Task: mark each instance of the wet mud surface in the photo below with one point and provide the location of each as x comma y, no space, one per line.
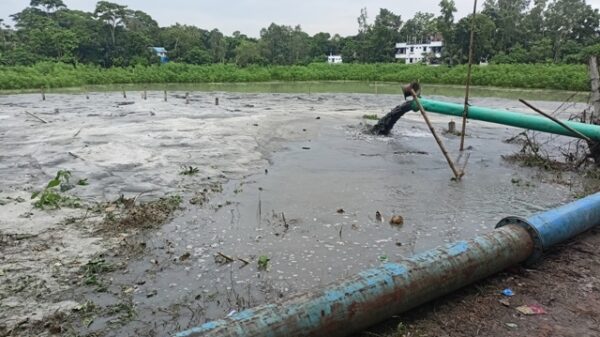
288,178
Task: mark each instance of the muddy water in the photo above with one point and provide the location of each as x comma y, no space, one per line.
289,165
307,87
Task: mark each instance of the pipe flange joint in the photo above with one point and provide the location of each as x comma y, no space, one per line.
538,246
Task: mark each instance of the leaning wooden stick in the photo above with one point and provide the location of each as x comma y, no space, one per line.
457,174
575,132
228,258
36,117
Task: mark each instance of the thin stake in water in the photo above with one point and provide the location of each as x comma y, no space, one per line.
466,110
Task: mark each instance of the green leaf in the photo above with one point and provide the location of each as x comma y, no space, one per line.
35,194
53,183
263,262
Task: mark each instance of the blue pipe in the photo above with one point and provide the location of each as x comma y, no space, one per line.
559,224
353,304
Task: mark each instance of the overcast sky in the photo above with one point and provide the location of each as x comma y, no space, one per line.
249,16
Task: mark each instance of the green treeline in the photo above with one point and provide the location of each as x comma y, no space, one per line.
55,75
507,31
54,46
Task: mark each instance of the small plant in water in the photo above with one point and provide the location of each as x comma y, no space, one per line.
402,329
371,117
189,171
49,197
83,182
93,269
263,262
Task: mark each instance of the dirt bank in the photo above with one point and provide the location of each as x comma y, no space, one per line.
566,284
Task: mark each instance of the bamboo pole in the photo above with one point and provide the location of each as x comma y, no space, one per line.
36,117
575,132
468,86
457,174
595,84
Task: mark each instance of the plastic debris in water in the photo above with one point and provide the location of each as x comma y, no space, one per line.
508,292
531,309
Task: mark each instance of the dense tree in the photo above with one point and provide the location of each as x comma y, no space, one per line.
483,47
180,39
217,46
248,52
197,55
48,5
445,27
507,31
112,15
508,18
379,41
571,23
420,29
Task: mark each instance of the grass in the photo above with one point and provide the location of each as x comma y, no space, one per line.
189,171
92,272
124,213
371,117
58,75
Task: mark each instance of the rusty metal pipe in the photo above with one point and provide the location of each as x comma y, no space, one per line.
374,295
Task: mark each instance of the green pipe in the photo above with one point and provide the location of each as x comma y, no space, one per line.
517,119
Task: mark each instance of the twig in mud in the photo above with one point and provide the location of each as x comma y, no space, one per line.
570,129
36,117
77,133
228,258
341,228
259,210
19,237
285,224
565,102
464,166
244,261
136,197
75,156
512,139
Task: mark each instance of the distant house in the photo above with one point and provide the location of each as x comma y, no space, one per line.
162,53
334,59
422,52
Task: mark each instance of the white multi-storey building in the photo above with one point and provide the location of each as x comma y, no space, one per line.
415,53
334,58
